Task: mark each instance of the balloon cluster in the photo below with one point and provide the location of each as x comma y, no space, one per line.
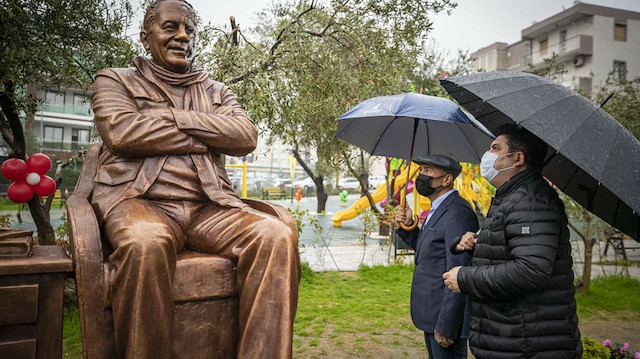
28,177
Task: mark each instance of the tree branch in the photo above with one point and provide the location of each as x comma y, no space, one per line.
84,69
306,168
363,185
582,235
272,57
5,130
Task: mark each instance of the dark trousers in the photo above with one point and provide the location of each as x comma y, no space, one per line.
457,350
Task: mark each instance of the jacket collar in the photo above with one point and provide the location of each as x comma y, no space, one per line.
517,180
442,208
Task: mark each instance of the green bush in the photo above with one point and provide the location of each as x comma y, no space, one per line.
592,349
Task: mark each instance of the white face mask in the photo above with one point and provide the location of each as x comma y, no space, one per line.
487,169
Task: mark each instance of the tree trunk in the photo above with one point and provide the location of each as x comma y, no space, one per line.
586,269
588,252
383,230
41,219
321,195
588,257
29,122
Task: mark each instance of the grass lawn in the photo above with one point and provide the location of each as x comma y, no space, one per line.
365,314
7,205
611,297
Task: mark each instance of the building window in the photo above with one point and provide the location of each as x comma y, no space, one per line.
81,101
53,137
54,98
620,70
620,31
80,135
544,44
563,41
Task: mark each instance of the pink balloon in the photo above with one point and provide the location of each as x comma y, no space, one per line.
20,192
45,187
39,163
14,169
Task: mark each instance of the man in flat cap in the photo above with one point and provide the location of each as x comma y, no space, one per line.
442,314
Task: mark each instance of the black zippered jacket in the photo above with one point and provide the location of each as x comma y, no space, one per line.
520,279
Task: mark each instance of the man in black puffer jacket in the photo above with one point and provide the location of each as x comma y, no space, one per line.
520,279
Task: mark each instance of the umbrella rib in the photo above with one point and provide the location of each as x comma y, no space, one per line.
373,150
427,137
468,142
594,112
566,185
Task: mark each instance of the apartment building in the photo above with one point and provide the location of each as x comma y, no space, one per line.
590,40
64,122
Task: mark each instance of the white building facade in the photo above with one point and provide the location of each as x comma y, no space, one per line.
591,41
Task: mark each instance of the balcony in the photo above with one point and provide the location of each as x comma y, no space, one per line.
566,50
52,145
70,110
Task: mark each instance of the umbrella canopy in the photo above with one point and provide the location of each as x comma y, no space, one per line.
385,126
591,157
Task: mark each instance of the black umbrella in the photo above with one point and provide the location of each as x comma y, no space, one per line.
591,157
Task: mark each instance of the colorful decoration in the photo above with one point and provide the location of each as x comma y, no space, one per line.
28,177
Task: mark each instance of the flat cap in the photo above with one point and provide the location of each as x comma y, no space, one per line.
443,162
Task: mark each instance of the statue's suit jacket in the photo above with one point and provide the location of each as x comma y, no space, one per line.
141,126
434,306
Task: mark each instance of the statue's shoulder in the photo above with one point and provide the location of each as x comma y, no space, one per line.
216,86
119,73
129,78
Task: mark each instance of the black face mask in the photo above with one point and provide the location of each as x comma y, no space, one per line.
423,184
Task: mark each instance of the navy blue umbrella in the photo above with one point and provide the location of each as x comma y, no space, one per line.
388,126
411,124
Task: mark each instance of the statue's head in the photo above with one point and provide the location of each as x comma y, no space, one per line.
170,32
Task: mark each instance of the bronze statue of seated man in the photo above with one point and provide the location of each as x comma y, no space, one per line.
161,186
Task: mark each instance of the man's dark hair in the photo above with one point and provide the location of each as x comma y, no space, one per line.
150,15
521,140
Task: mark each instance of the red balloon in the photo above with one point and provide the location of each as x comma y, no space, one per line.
39,163
45,187
14,169
20,192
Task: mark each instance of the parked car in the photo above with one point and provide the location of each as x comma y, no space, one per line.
305,184
282,182
349,183
376,181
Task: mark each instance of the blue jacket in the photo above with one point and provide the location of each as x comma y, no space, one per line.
434,306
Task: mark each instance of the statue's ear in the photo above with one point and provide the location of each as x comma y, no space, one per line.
144,39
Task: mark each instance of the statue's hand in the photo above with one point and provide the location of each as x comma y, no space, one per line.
224,110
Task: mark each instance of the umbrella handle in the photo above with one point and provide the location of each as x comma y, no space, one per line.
410,228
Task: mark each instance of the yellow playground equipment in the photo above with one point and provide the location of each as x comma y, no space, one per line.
471,186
